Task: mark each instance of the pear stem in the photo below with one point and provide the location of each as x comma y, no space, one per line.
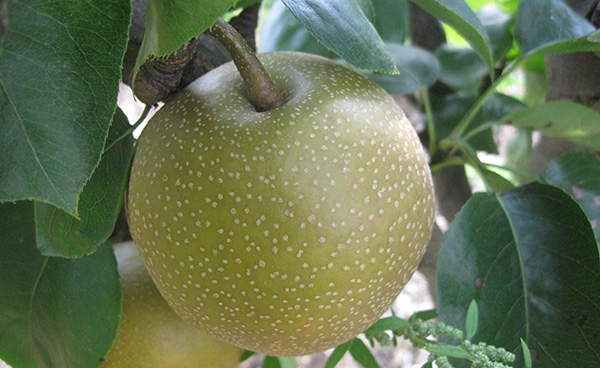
262,92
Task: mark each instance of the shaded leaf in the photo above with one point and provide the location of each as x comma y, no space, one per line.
461,69
337,354
419,69
448,350
54,312
447,112
497,24
246,354
343,27
529,258
170,24
425,315
551,27
60,66
562,119
391,19
361,353
61,234
458,15
578,174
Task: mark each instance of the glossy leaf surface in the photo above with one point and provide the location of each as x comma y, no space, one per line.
343,27
529,258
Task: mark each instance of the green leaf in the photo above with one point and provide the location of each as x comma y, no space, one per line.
546,27
497,24
461,69
529,258
281,31
60,66
343,27
388,323
578,174
472,319
562,119
428,364
458,15
279,362
361,353
172,23
526,354
337,354
448,350
391,19
447,112
419,69
54,312
246,354
425,315
59,233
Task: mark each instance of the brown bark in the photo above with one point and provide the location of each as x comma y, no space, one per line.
574,77
158,78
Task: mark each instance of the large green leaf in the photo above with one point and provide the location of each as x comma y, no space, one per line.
343,27
458,15
578,174
54,312
172,23
529,258
281,31
551,27
61,234
60,65
562,119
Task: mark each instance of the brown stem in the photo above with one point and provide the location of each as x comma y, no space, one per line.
263,94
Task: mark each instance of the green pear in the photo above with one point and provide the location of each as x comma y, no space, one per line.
287,231
151,335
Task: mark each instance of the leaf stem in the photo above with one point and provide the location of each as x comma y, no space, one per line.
463,124
430,122
262,92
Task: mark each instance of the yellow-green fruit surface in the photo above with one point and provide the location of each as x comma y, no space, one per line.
151,335
289,231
